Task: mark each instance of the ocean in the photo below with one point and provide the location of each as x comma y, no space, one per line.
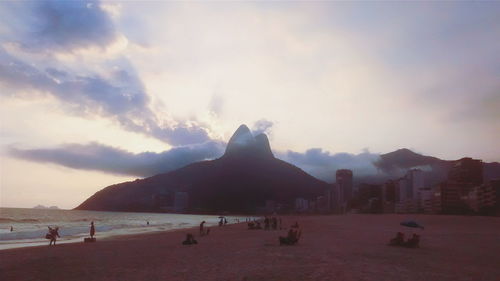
30,225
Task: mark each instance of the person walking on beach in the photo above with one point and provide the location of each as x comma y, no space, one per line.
92,230
11,228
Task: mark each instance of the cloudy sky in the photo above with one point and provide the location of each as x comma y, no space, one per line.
94,93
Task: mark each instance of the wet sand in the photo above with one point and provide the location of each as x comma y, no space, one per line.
350,247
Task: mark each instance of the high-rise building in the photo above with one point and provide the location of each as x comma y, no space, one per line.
481,197
301,205
465,174
343,179
467,170
389,196
416,182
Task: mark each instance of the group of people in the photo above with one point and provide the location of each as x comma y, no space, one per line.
254,225
399,240
272,223
53,233
222,221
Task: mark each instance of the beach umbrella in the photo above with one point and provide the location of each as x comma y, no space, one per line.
412,224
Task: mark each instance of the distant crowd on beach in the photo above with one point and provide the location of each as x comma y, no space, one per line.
269,223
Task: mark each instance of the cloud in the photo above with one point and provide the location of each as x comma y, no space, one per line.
99,157
63,26
323,165
216,105
262,126
121,97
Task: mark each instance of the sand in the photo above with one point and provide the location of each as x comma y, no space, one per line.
348,247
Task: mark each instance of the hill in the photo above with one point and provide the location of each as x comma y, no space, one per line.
242,180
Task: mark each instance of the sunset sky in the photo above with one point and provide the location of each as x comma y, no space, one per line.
95,93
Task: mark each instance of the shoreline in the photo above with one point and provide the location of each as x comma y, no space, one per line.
349,247
102,236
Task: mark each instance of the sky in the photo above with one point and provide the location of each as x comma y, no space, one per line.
94,93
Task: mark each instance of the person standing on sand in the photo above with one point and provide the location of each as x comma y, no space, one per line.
92,230
201,228
11,228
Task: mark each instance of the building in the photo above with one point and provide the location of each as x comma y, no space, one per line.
453,196
415,178
482,198
389,196
467,170
465,174
301,205
407,206
426,205
322,204
343,179
370,198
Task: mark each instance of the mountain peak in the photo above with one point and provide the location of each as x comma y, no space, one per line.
243,143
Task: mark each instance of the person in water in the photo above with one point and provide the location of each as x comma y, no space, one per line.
52,235
92,230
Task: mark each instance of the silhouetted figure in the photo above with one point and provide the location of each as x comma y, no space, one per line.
399,240
292,237
189,240
413,242
147,223
296,225
11,229
52,235
266,223
274,223
225,221
202,232
92,230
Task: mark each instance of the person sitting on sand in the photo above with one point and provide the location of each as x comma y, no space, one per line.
399,240
413,242
292,238
52,235
189,240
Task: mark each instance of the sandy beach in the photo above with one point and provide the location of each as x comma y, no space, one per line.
349,247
